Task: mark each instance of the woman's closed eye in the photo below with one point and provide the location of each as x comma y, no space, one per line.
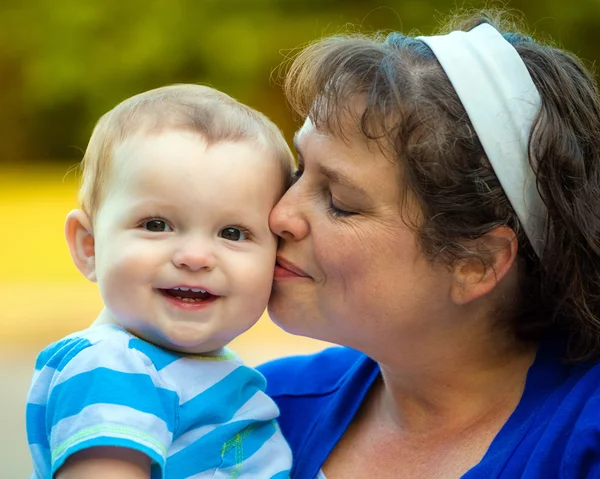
332,209
336,211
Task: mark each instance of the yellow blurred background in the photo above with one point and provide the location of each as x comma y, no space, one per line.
64,63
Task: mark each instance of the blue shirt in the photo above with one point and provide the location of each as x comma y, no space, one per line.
553,433
201,416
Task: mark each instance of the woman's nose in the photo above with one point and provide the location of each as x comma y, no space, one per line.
194,256
287,219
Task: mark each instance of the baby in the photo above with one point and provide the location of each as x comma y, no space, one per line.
177,188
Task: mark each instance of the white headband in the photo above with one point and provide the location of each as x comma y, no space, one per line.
494,86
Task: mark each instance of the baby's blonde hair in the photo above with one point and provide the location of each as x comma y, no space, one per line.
211,113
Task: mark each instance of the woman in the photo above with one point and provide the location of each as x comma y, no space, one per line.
444,224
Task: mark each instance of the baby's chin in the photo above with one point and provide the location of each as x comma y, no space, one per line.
193,349
179,337
185,341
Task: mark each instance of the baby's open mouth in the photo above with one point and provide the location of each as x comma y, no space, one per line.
188,295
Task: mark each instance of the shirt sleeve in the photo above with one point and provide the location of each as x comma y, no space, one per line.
582,457
109,395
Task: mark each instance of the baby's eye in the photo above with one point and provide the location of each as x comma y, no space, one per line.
156,226
233,234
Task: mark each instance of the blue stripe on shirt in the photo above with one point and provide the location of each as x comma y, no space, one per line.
160,358
247,442
106,386
206,452
238,387
36,414
57,355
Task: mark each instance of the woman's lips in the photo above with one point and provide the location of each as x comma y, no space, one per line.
287,269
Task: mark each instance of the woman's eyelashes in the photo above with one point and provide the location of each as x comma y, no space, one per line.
333,206
337,212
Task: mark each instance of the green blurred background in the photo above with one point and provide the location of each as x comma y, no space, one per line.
63,63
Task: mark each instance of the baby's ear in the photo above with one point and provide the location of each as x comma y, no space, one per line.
80,238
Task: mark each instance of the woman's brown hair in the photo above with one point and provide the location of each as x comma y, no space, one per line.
414,114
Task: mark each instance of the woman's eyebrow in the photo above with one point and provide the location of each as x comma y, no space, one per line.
341,179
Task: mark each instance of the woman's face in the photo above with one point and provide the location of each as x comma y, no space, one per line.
349,270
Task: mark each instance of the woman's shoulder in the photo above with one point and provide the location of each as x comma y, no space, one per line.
581,408
556,426
317,396
313,374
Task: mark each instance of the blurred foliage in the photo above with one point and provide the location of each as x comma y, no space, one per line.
65,62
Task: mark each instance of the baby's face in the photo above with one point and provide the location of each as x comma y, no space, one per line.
184,254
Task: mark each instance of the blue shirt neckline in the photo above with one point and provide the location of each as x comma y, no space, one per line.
542,378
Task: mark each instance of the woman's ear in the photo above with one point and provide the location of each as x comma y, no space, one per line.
477,276
80,238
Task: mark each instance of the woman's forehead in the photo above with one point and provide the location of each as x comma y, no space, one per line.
321,142
344,115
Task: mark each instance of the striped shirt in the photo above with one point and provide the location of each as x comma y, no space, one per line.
194,416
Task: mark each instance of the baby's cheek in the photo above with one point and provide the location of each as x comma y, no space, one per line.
255,279
115,284
263,282
120,275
